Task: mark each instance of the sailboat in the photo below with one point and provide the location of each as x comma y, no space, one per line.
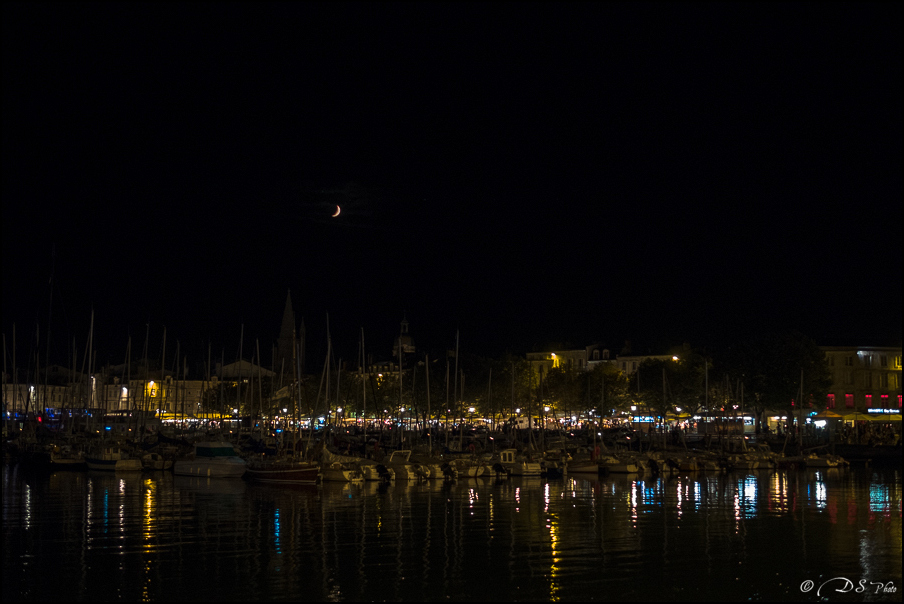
284,467
112,458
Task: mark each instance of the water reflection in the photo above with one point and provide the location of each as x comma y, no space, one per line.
159,537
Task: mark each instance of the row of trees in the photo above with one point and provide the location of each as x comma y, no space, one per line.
772,371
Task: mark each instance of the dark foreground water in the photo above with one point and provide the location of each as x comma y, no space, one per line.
157,537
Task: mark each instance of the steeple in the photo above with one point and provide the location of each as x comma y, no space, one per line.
405,339
286,339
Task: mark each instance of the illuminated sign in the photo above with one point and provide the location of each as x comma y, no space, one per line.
883,411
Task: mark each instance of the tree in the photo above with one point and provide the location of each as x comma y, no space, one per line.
607,391
774,367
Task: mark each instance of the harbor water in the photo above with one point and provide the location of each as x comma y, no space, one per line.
793,535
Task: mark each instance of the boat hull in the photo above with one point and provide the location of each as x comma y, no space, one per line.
339,473
525,468
212,460
590,467
290,473
113,465
210,468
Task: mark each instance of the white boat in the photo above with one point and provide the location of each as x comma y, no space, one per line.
214,459
404,469
614,465
373,471
744,461
518,465
435,469
113,458
467,468
340,472
823,461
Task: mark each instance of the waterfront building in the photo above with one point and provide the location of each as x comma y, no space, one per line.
580,359
585,359
865,379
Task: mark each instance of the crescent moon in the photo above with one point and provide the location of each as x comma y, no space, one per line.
337,212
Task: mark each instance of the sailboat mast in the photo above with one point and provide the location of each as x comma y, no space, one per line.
260,392
427,422
363,385
401,432
15,373
490,397
91,360
455,379
338,376
238,392
162,389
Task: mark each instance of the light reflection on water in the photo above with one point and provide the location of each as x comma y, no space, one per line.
161,537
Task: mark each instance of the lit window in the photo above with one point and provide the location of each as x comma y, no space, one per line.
830,403
884,398
869,400
849,401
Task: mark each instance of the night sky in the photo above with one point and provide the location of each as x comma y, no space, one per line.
528,174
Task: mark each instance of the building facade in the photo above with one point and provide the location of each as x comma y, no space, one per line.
865,379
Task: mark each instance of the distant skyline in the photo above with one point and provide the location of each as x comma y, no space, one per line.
525,174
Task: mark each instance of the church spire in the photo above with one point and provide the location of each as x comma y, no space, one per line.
286,341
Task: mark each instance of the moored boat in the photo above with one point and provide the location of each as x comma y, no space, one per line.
615,465
214,459
156,462
113,458
743,461
467,468
518,465
373,471
64,457
282,470
340,472
584,465
823,461
404,469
